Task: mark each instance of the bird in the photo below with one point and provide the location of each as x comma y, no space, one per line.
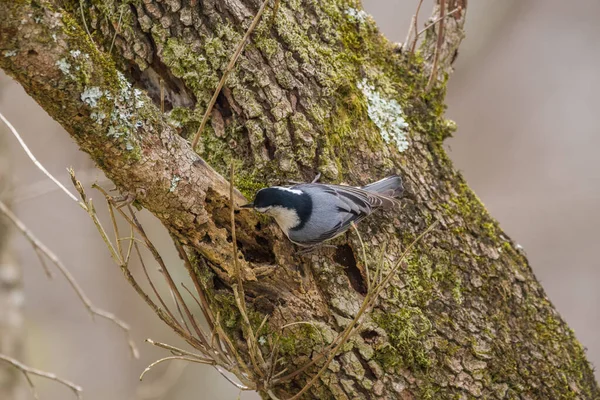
312,213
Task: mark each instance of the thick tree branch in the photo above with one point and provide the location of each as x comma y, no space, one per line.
116,123
318,91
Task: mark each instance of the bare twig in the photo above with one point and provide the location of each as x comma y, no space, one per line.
232,61
413,27
364,251
275,9
39,246
172,349
203,301
457,9
210,354
238,291
162,95
190,359
117,29
84,21
28,371
438,46
34,160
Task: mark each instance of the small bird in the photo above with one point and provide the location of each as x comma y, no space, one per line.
312,213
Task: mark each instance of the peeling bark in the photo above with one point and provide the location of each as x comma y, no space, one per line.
317,90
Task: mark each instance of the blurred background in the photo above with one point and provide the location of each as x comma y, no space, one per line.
525,98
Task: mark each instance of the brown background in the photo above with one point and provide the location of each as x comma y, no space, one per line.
524,96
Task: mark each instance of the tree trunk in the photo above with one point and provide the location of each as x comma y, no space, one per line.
11,297
317,89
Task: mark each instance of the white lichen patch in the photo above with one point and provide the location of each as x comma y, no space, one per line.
120,113
387,114
357,15
10,53
174,181
91,95
98,117
75,53
64,66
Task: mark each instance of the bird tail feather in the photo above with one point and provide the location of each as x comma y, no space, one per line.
390,186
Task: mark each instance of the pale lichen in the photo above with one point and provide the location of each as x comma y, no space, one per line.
10,53
98,117
387,115
91,95
358,15
64,66
174,181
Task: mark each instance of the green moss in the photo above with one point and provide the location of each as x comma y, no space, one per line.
196,70
407,332
248,184
300,339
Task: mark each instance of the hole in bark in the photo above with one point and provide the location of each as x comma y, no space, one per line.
270,148
260,255
219,284
229,239
369,336
223,106
264,305
262,241
32,53
258,226
206,238
345,257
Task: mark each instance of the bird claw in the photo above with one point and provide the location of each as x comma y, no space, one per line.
310,249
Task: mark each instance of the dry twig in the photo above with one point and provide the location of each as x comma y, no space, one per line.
34,160
413,28
438,46
438,19
232,61
223,355
45,251
27,371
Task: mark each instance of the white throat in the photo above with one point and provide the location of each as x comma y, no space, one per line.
286,218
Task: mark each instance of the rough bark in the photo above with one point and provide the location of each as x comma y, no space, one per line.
317,90
11,298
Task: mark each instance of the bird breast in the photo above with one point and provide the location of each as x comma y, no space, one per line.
286,218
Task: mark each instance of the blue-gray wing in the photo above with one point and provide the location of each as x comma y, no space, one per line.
336,207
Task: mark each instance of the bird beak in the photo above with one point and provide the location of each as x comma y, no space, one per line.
249,205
